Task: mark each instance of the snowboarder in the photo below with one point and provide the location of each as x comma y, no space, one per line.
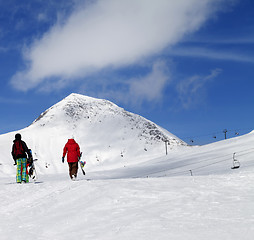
73,155
20,154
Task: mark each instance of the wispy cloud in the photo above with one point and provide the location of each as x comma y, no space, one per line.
211,54
109,33
191,90
225,40
148,87
151,86
3,49
11,101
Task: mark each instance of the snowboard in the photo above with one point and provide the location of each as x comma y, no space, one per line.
82,164
31,170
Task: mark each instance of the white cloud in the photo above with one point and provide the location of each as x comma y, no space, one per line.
111,33
190,90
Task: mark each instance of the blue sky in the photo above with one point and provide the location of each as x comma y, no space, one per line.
186,65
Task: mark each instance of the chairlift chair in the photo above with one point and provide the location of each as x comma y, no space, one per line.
236,163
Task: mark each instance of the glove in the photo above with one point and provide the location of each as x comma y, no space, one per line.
15,163
62,159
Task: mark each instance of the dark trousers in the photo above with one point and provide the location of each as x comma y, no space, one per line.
73,169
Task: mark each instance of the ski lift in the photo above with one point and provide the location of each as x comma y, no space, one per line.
236,163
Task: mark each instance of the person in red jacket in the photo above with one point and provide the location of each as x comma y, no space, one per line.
73,154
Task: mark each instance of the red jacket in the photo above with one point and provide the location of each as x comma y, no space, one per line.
72,150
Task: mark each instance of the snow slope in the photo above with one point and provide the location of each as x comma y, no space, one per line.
191,193
212,159
179,208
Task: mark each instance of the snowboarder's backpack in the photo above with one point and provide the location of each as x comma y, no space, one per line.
18,148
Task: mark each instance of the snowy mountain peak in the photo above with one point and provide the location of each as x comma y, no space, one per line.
78,97
73,108
76,111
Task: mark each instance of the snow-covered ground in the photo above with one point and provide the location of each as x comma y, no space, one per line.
191,193
200,207
158,199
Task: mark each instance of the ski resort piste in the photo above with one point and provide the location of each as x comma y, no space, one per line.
140,181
